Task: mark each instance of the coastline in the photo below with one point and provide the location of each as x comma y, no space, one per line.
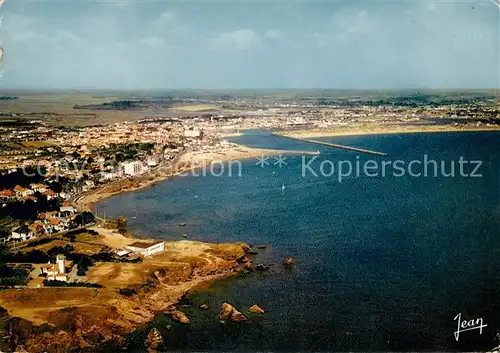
158,283
63,318
187,161
193,160
106,312
362,130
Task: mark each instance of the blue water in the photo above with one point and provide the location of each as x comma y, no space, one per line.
383,263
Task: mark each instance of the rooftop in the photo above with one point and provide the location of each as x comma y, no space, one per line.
143,245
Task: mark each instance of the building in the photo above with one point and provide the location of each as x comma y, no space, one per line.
146,249
152,162
132,168
41,188
23,192
69,209
7,194
192,133
122,252
22,233
50,194
58,270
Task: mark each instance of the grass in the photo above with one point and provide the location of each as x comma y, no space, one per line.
88,238
38,103
29,145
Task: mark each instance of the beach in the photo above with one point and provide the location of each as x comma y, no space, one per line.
371,252
377,129
186,162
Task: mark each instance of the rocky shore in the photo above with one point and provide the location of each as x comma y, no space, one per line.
68,319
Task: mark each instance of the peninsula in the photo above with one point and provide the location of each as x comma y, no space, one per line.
71,280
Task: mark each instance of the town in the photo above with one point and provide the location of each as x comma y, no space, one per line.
51,175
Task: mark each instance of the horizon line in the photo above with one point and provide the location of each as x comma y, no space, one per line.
251,89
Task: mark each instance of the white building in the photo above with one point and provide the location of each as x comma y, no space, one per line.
152,162
193,133
22,233
69,209
57,271
132,168
41,188
64,195
146,249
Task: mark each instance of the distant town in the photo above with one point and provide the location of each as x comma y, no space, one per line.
47,166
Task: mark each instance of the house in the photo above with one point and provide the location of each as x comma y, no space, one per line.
50,194
64,195
7,194
69,209
23,192
41,188
152,162
49,269
36,228
54,225
58,270
22,233
146,249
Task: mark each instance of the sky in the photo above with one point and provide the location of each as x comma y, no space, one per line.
224,44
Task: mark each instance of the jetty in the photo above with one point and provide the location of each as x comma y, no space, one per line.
356,149
335,145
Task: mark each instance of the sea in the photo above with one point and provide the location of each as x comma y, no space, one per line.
386,259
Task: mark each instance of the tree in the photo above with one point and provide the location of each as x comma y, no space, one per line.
121,223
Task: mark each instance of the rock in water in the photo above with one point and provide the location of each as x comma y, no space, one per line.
261,267
256,309
249,265
237,316
230,312
288,261
225,311
204,306
154,339
179,316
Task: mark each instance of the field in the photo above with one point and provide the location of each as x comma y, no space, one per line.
79,317
84,243
57,109
196,107
43,305
27,145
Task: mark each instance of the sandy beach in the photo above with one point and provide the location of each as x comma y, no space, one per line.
381,129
